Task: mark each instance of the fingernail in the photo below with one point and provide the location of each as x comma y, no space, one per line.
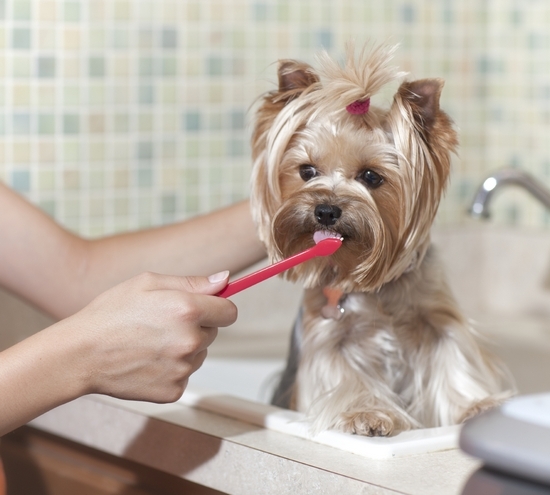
218,277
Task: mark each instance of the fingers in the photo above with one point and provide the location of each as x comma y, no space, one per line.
198,285
191,303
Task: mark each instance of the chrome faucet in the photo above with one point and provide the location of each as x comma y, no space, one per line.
506,177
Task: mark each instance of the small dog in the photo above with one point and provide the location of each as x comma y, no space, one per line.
381,345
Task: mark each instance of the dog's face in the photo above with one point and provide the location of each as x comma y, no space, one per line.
375,178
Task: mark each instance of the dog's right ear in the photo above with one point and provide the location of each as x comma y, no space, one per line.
294,78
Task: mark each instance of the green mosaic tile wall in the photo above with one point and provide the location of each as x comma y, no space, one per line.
119,114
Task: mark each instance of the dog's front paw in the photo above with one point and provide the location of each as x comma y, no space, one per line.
369,423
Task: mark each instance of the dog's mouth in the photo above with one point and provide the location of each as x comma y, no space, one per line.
320,235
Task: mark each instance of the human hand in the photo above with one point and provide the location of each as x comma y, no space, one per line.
146,336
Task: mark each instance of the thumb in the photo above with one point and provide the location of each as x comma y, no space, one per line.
206,285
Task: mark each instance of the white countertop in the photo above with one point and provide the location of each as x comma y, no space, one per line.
238,458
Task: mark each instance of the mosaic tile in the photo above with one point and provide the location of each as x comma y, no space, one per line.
96,67
169,38
121,67
71,151
46,180
21,95
169,149
121,151
145,38
169,94
21,38
46,152
236,147
96,152
121,179
96,123
21,123
46,96
146,66
46,67
71,179
146,95
97,94
121,206
121,123
46,124
21,10
21,152
21,67
47,39
169,203
145,122
71,11
97,10
192,148
192,121
97,39
71,39
97,179
47,10
96,207
21,180
170,122
145,151
71,124
120,38
71,96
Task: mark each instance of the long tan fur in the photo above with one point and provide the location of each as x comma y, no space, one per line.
403,355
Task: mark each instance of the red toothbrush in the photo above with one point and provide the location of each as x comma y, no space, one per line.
325,247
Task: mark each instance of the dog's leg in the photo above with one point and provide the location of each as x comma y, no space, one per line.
284,393
461,379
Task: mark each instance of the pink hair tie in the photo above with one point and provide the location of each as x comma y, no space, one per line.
359,107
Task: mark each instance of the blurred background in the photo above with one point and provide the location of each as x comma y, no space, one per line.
120,114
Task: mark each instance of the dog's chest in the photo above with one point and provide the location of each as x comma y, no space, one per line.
363,337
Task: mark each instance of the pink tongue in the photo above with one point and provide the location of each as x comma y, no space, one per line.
323,234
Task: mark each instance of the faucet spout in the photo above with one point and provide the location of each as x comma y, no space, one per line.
506,177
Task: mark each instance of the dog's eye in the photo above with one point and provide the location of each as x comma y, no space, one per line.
370,178
307,172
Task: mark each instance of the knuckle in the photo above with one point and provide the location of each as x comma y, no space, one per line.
189,312
174,393
146,279
233,313
192,284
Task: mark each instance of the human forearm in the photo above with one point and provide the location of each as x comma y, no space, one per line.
140,340
38,374
222,240
60,272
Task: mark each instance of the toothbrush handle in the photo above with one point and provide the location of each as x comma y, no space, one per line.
265,273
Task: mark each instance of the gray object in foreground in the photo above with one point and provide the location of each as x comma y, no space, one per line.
514,438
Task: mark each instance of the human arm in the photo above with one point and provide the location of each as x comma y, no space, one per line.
60,272
139,340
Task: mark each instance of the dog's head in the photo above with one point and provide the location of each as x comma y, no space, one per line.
325,160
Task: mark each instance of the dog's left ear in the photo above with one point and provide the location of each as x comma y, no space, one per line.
423,98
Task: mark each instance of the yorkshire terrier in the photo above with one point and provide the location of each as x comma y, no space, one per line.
380,345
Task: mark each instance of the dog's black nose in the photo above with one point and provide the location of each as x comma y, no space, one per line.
327,214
